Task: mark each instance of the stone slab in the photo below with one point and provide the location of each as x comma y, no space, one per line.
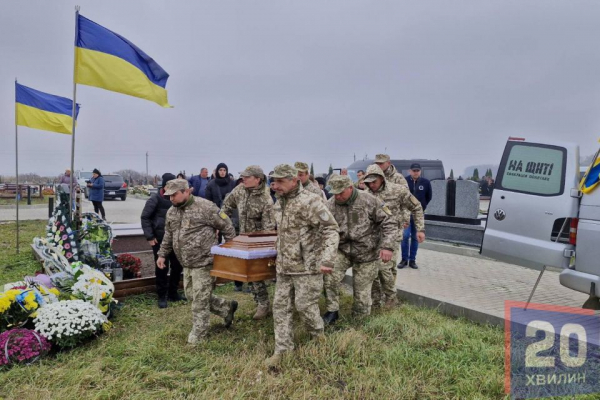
467,199
437,205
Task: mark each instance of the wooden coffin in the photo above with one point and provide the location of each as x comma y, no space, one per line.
247,258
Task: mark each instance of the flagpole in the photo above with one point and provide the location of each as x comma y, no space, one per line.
73,115
17,164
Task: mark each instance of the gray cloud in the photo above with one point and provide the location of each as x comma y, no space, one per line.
279,81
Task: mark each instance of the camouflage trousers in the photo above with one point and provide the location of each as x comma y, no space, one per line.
363,275
198,286
259,290
301,292
384,287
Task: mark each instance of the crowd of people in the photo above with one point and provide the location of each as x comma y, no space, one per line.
323,229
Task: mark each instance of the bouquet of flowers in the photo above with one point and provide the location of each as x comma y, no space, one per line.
131,266
68,323
59,232
17,305
22,346
96,239
94,287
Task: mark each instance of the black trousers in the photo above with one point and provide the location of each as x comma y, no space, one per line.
166,286
99,208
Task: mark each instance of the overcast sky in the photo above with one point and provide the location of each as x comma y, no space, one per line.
266,82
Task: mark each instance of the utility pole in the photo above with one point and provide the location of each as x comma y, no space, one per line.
146,168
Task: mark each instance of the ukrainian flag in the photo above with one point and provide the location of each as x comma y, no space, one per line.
592,176
109,61
44,111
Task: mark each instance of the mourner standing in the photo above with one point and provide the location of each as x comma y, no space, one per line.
391,174
153,225
403,206
304,176
368,234
255,208
421,189
301,217
96,192
190,231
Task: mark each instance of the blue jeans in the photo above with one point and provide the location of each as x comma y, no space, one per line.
410,233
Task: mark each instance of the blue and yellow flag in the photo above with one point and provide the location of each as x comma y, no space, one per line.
44,111
592,176
109,61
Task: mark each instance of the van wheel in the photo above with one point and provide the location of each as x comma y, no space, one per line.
123,198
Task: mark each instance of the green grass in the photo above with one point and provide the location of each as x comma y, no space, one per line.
405,353
13,267
23,202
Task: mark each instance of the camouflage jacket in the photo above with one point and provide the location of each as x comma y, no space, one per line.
255,208
392,175
310,187
301,219
366,227
402,204
190,231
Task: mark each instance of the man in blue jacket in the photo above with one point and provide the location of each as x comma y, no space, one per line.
421,189
199,183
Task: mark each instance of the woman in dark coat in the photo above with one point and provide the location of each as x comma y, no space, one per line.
221,186
153,225
96,192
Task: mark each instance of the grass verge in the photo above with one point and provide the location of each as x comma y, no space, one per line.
405,353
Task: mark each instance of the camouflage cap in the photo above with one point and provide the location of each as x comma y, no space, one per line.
176,185
283,171
300,166
339,183
372,173
253,170
381,158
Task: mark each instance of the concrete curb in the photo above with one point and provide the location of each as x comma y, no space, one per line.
445,247
446,308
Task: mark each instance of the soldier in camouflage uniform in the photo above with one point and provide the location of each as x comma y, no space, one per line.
255,208
402,204
190,231
391,174
304,177
299,216
368,234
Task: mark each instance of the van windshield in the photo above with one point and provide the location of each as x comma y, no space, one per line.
534,169
85,175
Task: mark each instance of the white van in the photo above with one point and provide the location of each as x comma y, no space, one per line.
538,217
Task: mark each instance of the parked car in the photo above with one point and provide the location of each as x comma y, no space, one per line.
538,217
431,169
114,186
82,177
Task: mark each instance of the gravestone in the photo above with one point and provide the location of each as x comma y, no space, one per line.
467,199
437,205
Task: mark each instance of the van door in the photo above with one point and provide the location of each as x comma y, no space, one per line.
532,200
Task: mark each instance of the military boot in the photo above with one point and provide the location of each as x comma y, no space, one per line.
230,314
272,363
162,302
391,302
330,317
261,312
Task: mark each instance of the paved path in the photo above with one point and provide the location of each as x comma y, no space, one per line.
477,287
117,211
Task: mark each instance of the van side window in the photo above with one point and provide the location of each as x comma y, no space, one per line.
533,169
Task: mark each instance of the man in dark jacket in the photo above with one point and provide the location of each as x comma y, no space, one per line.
421,189
153,225
199,183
